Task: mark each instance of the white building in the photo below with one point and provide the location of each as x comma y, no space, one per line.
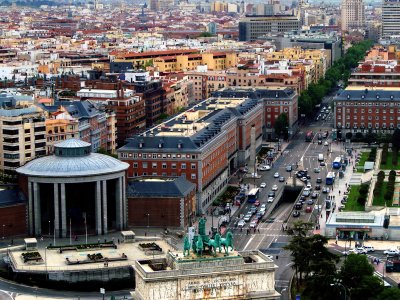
390,18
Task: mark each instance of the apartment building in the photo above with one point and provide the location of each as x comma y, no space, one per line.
213,61
352,15
22,133
252,28
390,18
60,128
363,109
206,82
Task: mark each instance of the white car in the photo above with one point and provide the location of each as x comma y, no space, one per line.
264,168
270,199
276,175
369,248
274,187
241,223
326,144
253,224
309,186
263,206
361,250
391,252
262,211
263,185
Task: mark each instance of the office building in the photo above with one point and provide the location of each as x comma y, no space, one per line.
390,18
252,28
352,15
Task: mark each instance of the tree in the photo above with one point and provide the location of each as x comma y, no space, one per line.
205,34
282,125
396,139
389,294
357,276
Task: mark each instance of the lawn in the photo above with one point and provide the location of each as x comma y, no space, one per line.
380,201
352,204
389,165
361,162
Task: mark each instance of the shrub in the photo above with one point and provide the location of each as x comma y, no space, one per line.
363,189
361,200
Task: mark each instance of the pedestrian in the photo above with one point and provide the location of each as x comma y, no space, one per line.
258,230
118,241
339,192
12,242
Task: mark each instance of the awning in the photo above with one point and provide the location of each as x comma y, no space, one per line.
354,229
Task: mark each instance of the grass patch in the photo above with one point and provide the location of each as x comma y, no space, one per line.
380,200
361,162
352,204
389,165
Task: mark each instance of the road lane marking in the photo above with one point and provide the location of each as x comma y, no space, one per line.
248,243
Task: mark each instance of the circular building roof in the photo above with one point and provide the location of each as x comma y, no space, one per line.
73,159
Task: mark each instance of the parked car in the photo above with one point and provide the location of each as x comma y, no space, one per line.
270,199
296,213
306,193
276,175
257,203
263,185
308,209
369,248
319,180
253,210
310,201
271,194
304,179
317,187
274,187
263,206
314,195
247,217
298,206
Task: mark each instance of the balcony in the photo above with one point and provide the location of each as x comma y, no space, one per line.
83,126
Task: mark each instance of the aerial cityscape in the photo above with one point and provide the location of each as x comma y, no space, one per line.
200,149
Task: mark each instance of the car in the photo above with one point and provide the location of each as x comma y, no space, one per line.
326,143
274,187
306,193
263,185
281,179
264,168
325,190
263,206
392,251
319,180
253,224
310,201
298,206
270,199
241,223
317,170
322,164
244,170
308,209
323,117
247,217
308,176
350,251
276,175
319,142
361,250
369,248
253,210
296,214
299,174
314,195
271,194
259,215
257,203
308,186
289,168
302,198
304,179
317,187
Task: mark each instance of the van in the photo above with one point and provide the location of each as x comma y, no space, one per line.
320,157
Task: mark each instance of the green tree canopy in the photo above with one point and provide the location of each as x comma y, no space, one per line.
396,139
389,294
282,126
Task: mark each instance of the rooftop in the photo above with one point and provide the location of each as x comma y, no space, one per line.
369,94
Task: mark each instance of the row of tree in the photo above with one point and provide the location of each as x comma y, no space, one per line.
363,194
372,155
340,70
379,183
318,275
390,186
385,151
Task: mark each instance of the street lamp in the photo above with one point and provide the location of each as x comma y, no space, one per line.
344,288
3,231
49,229
148,220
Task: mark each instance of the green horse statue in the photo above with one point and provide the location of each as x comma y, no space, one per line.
227,242
199,246
186,246
215,243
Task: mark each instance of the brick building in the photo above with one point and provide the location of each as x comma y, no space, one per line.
362,109
13,213
161,202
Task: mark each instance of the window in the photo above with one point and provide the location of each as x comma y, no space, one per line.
144,165
154,174
183,166
154,165
135,165
154,155
193,166
173,166
135,155
144,155
193,176
164,174
164,165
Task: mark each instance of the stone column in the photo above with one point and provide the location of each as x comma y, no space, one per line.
63,212
36,195
56,222
118,203
105,219
252,161
98,208
30,207
124,204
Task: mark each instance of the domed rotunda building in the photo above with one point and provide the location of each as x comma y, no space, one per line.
74,190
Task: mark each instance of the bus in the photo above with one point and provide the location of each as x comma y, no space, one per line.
330,178
253,194
309,136
337,163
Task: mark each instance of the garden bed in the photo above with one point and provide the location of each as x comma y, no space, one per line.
29,257
83,247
